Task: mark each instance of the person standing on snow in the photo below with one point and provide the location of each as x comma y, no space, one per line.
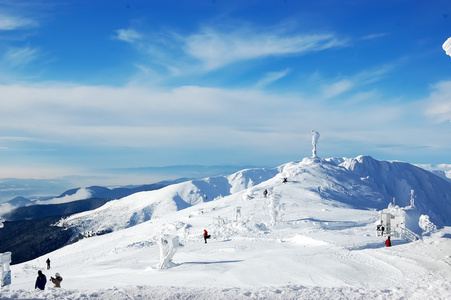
48,263
388,242
40,281
57,280
265,193
206,236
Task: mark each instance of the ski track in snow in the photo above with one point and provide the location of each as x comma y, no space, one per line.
318,248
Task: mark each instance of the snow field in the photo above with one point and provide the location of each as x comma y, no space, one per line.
315,248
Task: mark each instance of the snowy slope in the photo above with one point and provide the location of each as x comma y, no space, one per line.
143,206
312,238
362,183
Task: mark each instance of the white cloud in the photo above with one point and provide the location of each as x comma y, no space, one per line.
337,88
374,36
128,35
183,117
19,56
217,49
9,22
438,104
271,77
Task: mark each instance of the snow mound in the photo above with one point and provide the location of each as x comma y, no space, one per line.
306,241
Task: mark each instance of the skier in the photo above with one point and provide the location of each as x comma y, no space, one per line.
206,236
48,263
265,193
388,242
57,280
285,180
40,281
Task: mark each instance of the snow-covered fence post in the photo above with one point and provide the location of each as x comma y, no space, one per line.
168,247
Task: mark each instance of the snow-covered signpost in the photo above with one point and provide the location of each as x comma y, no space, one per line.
315,138
5,260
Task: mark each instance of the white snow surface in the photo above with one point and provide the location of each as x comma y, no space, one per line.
322,245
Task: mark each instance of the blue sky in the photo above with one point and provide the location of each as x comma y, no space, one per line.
92,85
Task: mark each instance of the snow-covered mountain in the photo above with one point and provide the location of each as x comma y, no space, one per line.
71,201
360,183
313,237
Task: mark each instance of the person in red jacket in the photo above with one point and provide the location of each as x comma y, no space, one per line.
206,236
388,242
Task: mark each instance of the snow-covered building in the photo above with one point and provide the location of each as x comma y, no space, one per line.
394,220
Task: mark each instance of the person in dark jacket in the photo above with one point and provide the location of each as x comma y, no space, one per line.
48,263
388,242
40,281
206,236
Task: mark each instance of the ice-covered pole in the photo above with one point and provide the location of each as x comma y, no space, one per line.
315,138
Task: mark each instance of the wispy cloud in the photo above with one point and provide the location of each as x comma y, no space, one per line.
438,104
374,36
337,88
11,22
19,56
127,35
348,83
216,49
211,48
271,77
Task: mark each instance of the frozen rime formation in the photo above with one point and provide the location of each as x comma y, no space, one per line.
315,138
447,46
427,226
168,247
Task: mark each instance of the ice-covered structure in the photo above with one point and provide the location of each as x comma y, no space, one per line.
315,138
5,260
394,220
447,46
168,247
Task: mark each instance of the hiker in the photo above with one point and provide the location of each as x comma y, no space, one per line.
265,193
206,236
40,281
57,280
285,180
388,242
48,263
